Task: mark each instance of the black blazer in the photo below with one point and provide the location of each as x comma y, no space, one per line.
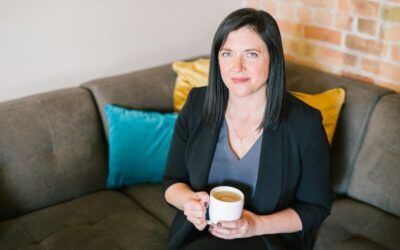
293,170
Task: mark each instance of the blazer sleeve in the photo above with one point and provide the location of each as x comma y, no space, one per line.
313,197
176,170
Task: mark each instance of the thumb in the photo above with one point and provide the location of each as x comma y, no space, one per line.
204,198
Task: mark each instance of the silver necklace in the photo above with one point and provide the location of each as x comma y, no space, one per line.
241,138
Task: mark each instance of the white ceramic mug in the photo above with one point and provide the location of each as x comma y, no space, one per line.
223,209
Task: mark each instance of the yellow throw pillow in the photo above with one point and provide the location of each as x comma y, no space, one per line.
195,74
329,103
190,74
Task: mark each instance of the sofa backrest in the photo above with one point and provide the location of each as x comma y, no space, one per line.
149,89
376,174
52,149
360,101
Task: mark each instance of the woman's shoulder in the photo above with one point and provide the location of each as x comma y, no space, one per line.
196,98
198,93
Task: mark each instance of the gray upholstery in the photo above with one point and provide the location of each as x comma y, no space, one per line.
360,101
151,198
376,175
149,89
52,149
356,225
102,220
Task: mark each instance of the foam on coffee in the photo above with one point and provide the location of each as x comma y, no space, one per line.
227,196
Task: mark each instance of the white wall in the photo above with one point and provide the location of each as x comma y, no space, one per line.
53,44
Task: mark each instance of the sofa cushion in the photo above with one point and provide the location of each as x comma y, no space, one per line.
151,198
360,101
356,225
52,149
375,179
149,89
102,220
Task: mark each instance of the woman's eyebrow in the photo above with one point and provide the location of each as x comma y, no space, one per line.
253,49
225,49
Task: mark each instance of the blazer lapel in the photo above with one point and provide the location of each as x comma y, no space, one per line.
270,172
203,149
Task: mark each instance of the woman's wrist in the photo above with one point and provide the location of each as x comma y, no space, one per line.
262,224
178,194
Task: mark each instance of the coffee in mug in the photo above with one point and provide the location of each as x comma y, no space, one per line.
226,204
227,196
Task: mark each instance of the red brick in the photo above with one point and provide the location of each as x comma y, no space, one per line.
365,45
302,48
389,71
323,34
367,26
370,65
343,22
344,5
323,18
396,53
365,8
305,15
391,34
291,28
350,60
321,3
330,55
385,49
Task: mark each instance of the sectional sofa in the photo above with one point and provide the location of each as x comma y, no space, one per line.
53,167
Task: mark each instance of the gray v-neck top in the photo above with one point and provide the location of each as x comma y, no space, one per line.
226,169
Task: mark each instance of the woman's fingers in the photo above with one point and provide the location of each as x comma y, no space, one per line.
204,198
195,209
198,223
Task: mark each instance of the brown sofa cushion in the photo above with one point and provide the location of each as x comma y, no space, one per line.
356,111
376,174
149,89
52,149
356,225
103,220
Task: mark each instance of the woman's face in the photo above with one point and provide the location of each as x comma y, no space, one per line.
244,62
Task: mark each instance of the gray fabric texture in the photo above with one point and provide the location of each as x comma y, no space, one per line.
356,225
102,220
151,198
149,89
52,149
360,101
376,175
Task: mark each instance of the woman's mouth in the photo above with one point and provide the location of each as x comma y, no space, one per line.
239,80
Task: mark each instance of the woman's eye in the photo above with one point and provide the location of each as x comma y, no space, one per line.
252,54
225,53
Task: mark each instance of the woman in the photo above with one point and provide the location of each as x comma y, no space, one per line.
246,131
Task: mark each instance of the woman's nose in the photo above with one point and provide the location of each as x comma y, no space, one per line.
238,64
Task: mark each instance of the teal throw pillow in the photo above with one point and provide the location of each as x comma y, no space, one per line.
138,145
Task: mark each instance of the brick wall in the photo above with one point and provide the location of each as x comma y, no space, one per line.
355,38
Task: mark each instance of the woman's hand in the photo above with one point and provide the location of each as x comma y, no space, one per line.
247,226
195,209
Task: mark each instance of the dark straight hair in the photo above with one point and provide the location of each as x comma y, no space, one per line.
217,93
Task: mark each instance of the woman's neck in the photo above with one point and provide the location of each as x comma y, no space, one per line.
247,108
